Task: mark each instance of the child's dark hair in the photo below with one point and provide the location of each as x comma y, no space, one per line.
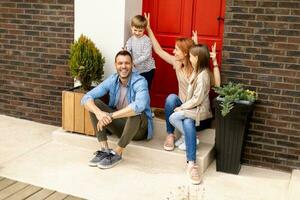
123,53
202,52
139,21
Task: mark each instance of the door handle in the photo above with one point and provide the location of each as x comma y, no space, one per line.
220,18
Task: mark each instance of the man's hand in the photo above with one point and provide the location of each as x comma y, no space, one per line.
103,120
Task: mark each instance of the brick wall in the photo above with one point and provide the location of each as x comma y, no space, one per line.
262,51
35,36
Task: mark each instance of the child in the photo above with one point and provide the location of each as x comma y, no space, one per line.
196,107
140,47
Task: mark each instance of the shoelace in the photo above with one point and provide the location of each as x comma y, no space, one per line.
194,171
99,153
109,156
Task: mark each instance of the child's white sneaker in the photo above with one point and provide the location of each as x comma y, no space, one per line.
179,141
182,146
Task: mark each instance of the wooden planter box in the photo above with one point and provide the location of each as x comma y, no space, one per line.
74,117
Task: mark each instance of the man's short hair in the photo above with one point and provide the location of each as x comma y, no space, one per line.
139,21
123,53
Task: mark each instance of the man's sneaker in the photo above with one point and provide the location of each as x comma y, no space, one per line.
179,141
109,161
193,174
99,155
182,146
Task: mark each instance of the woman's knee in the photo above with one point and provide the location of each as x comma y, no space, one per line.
171,100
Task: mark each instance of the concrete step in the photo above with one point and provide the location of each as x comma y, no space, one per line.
151,150
293,191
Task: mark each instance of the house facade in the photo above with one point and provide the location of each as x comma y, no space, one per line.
261,49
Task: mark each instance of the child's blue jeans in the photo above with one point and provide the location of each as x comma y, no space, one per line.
187,127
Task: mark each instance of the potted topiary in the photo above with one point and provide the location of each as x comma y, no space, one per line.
233,108
86,65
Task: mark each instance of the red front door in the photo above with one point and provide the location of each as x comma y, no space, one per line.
171,19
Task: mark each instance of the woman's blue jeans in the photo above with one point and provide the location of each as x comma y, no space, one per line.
187,127
172,102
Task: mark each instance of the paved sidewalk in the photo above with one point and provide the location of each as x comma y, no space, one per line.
29,154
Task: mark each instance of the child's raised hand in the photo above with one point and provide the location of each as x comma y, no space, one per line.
195,36
213,53
147,16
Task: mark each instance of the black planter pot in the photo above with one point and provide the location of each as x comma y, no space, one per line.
230,134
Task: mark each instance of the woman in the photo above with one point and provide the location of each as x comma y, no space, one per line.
183,68
196,107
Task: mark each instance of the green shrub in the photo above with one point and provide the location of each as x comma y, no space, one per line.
232,93
86,62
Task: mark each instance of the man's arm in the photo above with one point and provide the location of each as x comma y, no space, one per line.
88,101
125,112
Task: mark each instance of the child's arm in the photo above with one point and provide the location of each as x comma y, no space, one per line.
216,70
128,45
200,92
146,52
156,46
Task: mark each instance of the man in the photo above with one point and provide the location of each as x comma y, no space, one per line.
128,114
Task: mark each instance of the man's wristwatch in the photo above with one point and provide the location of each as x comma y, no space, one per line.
110,115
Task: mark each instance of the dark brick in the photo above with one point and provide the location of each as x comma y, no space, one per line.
288,131
288,32
267,4
289,4
277,11
235,23
288,144
286,156
245,3
266,18
275,148
272,160
276,25
244,16
255,24
288,19
263,140
254,37
294,53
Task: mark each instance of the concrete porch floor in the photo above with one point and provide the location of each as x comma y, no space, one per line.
28,153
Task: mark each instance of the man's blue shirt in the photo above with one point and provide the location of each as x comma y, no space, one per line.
137,95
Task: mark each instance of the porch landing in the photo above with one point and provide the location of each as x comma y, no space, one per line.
37,154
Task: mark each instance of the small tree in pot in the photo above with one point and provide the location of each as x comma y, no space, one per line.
86,65
86,62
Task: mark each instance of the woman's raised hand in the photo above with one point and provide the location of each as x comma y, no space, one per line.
195,36
147,16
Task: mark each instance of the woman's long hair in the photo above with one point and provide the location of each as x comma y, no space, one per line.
185,44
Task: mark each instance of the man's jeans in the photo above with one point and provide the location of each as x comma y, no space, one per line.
187,127
130,128
172,102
